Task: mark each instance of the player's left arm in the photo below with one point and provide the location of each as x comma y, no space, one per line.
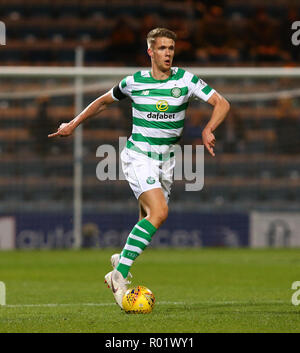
221,108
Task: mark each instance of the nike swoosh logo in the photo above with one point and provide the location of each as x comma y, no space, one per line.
113,288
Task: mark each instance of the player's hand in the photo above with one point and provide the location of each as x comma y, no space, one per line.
65,129
209,141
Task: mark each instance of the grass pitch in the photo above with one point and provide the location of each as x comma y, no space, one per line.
196,290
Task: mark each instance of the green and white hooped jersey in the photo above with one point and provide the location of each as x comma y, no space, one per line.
158,108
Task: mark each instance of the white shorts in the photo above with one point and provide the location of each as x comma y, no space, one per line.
144,173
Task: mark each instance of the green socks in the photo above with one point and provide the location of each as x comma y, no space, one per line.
137,241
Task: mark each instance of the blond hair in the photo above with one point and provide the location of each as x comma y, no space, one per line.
159,32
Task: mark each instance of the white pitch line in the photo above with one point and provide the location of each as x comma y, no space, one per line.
55,305
242,302
158,303
75,304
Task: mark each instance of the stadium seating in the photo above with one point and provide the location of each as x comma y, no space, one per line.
247,171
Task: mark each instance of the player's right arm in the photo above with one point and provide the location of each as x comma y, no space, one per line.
97,106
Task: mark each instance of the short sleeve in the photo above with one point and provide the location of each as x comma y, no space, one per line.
122,90
200,89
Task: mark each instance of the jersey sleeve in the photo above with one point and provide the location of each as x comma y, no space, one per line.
200,89
122,90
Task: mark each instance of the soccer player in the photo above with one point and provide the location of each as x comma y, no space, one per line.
159,98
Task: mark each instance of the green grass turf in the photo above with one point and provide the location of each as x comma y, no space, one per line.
197,290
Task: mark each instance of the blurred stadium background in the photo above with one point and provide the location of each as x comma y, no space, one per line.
251,195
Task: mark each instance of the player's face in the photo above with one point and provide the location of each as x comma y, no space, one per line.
162,53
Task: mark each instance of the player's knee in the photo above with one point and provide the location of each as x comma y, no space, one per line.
162,214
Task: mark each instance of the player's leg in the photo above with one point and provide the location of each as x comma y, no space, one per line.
154,204
143,176
116,257
145,199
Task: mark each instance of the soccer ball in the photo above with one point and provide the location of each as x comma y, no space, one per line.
138,300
